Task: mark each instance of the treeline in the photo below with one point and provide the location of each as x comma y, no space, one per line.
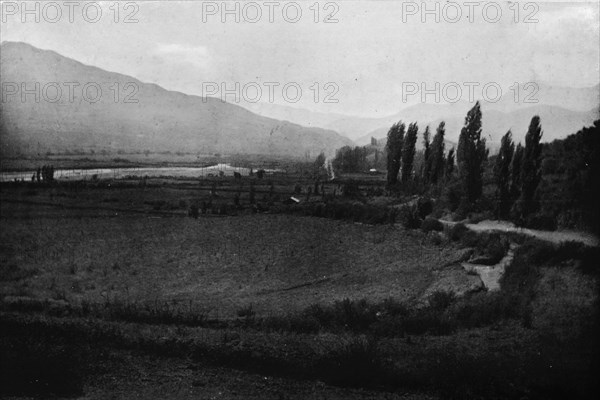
515,173
570,188
401,152
358,159
43,174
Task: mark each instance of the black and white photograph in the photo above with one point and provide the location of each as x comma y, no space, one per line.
299,200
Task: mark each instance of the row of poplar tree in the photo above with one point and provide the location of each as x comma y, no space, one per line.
517,169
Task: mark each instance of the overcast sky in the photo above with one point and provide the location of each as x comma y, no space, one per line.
373,48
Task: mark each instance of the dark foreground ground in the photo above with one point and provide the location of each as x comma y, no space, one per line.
119,294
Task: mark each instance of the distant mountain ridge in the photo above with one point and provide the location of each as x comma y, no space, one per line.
563,110
130,114
557,123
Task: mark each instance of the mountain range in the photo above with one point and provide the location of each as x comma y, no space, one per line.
129,114
132,115
557,123
563,111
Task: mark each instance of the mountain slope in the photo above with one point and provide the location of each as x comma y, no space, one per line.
557,122
160,120
294,115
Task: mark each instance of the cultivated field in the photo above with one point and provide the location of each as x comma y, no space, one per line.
134,298
273,262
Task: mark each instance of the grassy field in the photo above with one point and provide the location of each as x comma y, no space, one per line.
274,262
133,298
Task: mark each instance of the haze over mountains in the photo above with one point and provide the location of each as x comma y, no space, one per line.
163,120
557,122
563,111
130,115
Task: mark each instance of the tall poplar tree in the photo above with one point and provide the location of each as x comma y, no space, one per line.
408,151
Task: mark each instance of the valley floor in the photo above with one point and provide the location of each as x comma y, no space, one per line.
107,295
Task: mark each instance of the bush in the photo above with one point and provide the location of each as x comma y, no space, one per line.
483,308
440,300
436,238
457,231
476,218
12,272
453,195
246,312
431,224
194,211
541,221
409,217
490,248
424,207
351,189
354,362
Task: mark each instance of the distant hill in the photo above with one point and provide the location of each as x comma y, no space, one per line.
573,99
557,122
564,107
160,120
300,116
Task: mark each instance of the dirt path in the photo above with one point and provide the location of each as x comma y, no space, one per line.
586,238
490,274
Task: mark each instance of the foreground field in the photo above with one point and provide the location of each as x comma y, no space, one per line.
106,295
273,262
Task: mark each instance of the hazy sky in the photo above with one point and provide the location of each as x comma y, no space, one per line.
368,53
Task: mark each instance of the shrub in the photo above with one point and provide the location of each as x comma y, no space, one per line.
483,308
541,221
424,207
12,272
351,189
409,217
440,300
194,211
453,195
436,238
431,224
246,312
353,362
490,248
457,231
476,218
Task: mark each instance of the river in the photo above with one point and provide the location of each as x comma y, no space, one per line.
117,173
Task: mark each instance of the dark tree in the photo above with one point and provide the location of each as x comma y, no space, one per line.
408,151
350,159
449,164
531,170
471,155
252,193
502,174
515,172
395,141
319,166
426,155
436,157
578,159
